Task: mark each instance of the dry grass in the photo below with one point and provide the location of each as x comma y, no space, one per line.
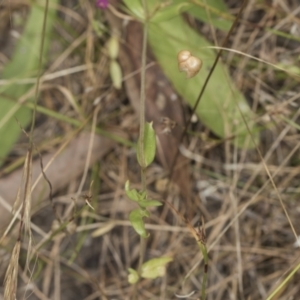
250,239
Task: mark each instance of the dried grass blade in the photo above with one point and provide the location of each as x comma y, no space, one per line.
11,275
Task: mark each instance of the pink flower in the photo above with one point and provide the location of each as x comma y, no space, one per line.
102,4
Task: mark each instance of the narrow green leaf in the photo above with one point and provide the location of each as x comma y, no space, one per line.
218,107
144,213
292,67
115,74
143,195
113,47
149,146
136,219
23,64
132,194
155,267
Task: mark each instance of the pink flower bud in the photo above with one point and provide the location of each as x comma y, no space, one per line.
102,4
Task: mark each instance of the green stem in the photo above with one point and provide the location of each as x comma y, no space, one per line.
143,177
204,280
142,251
284,282
141,260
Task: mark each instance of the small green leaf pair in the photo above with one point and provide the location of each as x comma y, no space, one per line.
151,269
140,197
137,215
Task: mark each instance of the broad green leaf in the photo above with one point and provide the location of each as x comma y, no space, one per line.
149,203
212,12
172,10
218,107
136,8
133,276
136,219
23,64
149,146
155,267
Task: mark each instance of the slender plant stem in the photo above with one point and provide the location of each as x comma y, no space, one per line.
142,251
284,282
141,260
143,99
142,130
143,177
204,280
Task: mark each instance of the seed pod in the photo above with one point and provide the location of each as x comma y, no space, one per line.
188,63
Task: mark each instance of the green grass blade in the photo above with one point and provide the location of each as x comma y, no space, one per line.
284,282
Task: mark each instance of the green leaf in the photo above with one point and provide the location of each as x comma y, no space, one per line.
218,107
136,219
172,10
132,194
136,8
113,47
133,276
23,64
155,267
144,213
289,67
143,195
115,74
148,203
149,146
212,12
